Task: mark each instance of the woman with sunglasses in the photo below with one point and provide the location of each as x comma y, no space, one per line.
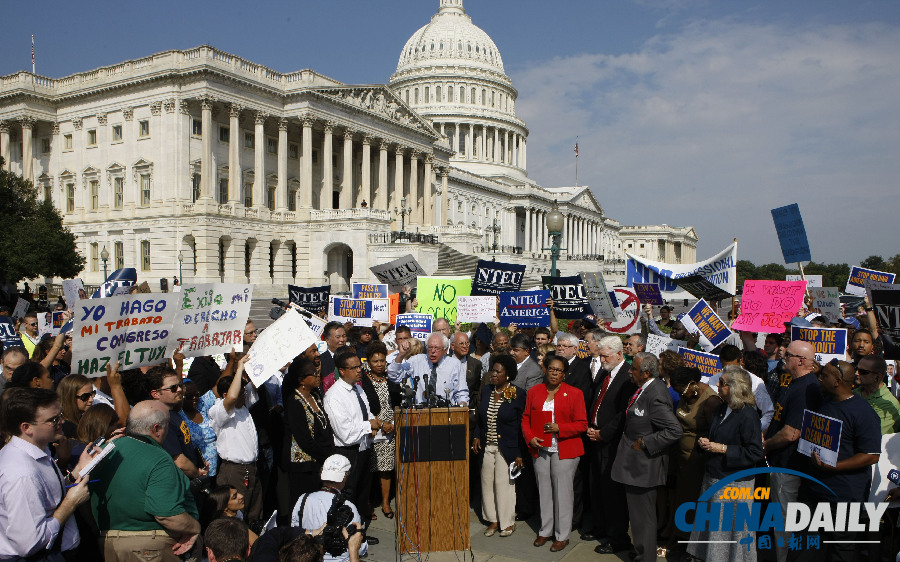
76,394
202,434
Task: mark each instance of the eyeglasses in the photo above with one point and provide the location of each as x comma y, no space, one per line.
356,368
173,389
554,370
252,333
52,421
788,355
84,397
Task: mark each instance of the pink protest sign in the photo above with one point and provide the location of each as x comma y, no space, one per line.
767,305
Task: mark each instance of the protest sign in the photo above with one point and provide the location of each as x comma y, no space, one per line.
821,435
811,280
525,308
58,319
419,324
437,295
357,311
708,363
369,291
888,460
791,233
627,313
135,330
657,344
277,345
826,301
313,299
719,270
570,299
117,282
886,305
767,305
829,343
73,291
394,306
21,309
476,309
583,351
211,318
400,272
316,324
701,288
45,324
493,278
8,335
703,318
856,283
598,295
648,293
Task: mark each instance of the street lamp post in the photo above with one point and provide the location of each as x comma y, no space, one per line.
104,255
495,229
555,223
180,261
403,212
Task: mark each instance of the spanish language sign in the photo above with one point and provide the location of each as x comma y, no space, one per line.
708,363
628,313
277,345
657,344
313,299
525,309
57,320
767,305
856,284
476,309
719,270
134,330
570,300
211,318
400,272
791,233
369,291
598,295
829,343
826,301
419,324
437,295
703,318
648,293
821,435
493,278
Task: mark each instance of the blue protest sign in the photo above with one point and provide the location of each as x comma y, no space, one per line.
821,435
118,279
8,334
358,311
419,324
648,293
791,233
708,363
525,309
493,278
829,343
570,299
860,276
313,299
369,291
708,322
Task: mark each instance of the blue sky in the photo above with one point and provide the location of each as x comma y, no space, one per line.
701,112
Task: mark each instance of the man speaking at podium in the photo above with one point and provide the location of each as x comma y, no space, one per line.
433,375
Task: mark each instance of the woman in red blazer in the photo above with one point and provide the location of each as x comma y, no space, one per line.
553,423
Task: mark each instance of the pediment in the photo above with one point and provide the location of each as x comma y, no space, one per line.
90,170
115,166
379,101
142,163
66,173
585,199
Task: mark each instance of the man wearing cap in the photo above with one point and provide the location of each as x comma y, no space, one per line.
311,510
499,346
870,374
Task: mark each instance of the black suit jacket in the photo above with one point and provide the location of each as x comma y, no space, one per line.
611,413
579,376
327,362
509,423
395,395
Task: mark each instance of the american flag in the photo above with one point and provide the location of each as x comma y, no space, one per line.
32,53
576,150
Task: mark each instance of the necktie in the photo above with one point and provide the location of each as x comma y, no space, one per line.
362,405
594,368
432,381
633,398
600,397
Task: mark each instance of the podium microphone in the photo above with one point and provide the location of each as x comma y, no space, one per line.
296,307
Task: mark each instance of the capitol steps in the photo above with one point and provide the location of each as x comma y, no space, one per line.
454,263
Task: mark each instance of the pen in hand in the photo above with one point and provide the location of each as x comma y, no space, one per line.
89,482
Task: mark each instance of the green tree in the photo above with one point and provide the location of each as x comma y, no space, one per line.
874,262
34,242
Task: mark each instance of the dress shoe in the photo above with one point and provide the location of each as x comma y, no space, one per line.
489,532
508,531
541,541
371,540
559,545
587,536
607,548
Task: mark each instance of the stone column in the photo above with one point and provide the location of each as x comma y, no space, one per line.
281,191
567,235
495,152
524,153
583,236
259,165
55,166
326,193
470,147
445,196
27,148
306,165
207,170
381,196
397,194
366,189
346,199
234,155
4,144
428,192
413,199
482,144
529,230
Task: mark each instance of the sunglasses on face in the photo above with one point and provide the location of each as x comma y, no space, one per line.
86,396
52,421
173,389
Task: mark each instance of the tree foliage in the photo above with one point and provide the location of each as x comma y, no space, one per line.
833,274
34,242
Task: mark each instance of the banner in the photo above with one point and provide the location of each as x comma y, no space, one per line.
117,281
598,296
313,299
437,295
719,270
829,343
525,309
826,301
703,318
648,293
821,435
708,363
277,345
357,311
657,344
811,280
476,309
400,272
570,299
856,283
767,305
8,335
419,324
493,278
628,313
791,233
134,330
369,291
211,318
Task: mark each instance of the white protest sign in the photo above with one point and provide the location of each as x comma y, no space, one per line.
598,295
811,280
657,344
476,309
73,291
826,301
211,318
316,324
20,309
400,272
887,461
134,330
277,345
627,313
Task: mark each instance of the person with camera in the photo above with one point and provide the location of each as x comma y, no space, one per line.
329,507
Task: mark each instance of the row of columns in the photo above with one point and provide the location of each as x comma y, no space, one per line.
486,144
26,124
580,236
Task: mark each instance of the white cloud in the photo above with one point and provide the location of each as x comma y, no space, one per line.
720,122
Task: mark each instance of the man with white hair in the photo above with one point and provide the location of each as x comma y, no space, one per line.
434,373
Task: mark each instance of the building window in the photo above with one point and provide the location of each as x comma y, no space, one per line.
197,128
292,201
48,193
95,257
223,191
119,254
407,97
45,146
270,198
145,189
67,141
437,94
472,100
143,129
145,255
119,188
272,145
462,95
92,137
293,151
416,95
450,94
224,134
249,141
117,133
248,194
642,245
195,187
95,194
70,197
427,94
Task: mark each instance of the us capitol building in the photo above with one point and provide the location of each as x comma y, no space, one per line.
231,171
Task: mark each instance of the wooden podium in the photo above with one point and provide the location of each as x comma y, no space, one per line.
432,465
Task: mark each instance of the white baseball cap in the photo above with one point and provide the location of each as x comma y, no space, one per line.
335,468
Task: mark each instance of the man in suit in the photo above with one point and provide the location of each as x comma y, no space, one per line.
529,373
579,376
334,335
642,458
606,416
459,346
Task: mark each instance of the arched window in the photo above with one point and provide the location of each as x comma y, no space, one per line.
437,93
483,97
416,95
459,46
427,95
472,100
470,47
477,50
462,95
450,93
432,46
441,46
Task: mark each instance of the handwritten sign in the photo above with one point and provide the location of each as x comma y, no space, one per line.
791,233
657,344
73,291
627,313
570,300
829,343
211,318
316,324
437,295
476,309
369,291
826,301
8,334
419,324
856,283
648,293
598,295
284,339
134,330
313,299
767,305
708,363
400,272
704,319
493,278
811,280
525,308
821,435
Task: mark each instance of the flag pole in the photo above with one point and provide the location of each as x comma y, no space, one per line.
576,161
32,53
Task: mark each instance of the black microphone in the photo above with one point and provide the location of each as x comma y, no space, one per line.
287,305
